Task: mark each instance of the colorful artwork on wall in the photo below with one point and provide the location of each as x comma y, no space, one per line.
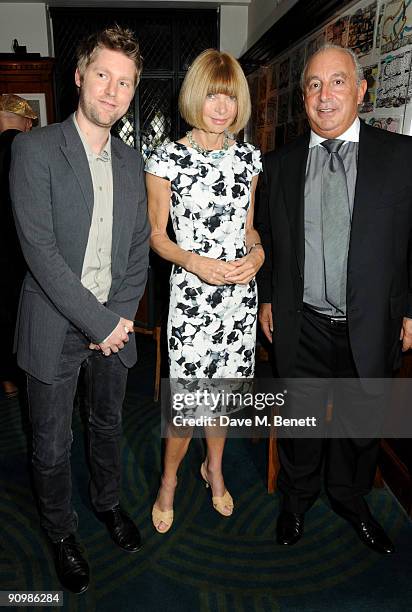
396,27
392,124
361,30
337,32
394,88
380,33
370,74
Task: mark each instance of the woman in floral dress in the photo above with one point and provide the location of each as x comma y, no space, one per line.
206,182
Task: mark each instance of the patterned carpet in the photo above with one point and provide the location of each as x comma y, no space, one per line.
206,563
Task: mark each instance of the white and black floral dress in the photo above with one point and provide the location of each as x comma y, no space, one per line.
211,329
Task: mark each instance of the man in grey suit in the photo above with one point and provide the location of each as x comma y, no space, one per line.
80,209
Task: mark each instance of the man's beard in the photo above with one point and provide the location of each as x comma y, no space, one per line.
92,114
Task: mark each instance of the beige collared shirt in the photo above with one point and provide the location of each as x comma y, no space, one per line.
97,265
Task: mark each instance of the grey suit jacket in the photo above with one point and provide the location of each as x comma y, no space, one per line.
52,195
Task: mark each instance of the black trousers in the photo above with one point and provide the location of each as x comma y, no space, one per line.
349,461
51,408
9,301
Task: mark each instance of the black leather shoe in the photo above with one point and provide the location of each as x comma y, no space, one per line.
72,569
122,530
289,528
371,534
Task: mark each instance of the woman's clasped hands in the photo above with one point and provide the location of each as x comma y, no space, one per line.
219,272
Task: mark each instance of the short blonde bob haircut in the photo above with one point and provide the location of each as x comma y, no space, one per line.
214,72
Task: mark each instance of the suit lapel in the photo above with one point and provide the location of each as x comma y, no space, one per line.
119,196
293,183
371,176
77,158
370,171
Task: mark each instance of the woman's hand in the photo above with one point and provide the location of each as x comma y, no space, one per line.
212,271
246,268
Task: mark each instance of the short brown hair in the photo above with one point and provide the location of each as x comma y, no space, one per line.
115,38
214,72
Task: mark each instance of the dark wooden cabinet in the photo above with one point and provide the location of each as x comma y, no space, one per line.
29,76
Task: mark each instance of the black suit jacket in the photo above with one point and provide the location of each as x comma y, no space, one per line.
379,274
11,258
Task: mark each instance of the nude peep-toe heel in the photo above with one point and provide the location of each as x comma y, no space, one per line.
220,503
160,516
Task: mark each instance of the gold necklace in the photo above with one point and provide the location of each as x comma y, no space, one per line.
214,154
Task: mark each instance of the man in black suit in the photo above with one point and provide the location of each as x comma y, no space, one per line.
79,201
16,116
336,289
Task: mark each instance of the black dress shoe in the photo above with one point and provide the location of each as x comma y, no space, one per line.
122,530
371,534
72,569
289,528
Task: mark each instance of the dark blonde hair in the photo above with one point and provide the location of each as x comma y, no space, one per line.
214,72
114,38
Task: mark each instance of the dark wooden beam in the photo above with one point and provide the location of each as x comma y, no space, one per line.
302,18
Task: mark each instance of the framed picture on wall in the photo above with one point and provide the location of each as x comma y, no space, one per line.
33,77
38,103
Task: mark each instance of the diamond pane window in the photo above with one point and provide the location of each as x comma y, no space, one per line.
156,40
169,41
155,113
155,135
193,40
125,129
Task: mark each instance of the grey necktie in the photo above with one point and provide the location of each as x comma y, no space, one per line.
335,225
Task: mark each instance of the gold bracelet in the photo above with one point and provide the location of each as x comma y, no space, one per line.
255,244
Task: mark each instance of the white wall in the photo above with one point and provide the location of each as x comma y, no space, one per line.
263,14
26,22
241,25
233,29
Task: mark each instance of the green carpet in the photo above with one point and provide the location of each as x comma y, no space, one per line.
206,563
